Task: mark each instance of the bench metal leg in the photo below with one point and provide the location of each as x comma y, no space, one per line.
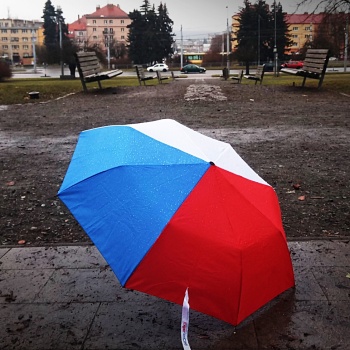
99,84
320,81
302,85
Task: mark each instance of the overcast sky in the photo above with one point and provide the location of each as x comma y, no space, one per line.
196,17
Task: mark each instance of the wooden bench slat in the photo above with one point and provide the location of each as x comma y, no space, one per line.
90,70
142,77
315,65
258,76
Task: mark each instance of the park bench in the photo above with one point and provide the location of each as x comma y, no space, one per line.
258,76
237,78
161,77
141,75
90,70
315,65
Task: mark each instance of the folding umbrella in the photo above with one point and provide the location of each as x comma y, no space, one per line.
173,210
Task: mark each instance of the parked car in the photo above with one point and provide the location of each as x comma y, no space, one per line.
162,67
192,68
293,64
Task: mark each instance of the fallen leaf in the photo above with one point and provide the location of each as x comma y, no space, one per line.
296,186
22,241
301,198
348,275
10,183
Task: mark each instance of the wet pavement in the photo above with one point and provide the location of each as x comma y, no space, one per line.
66,297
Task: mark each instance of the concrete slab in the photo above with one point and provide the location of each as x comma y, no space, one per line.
320,253
22,286
68,298
305,325
52,257
45,326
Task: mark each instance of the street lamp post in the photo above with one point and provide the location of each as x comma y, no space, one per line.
346,42
275,53
34,51
258,39
228,45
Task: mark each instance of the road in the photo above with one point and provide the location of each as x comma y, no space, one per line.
55,72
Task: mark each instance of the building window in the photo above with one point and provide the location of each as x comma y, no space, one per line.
122,29
111,30
121,21
3,30
94,29
94,21
122,37
295,28
25,47
15,47
3,39
26,54
80,33
24,39
5,47
105,21
294,35
14,31
94,37
308,28
111,21
24,30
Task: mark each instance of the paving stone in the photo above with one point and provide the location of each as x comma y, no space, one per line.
68,298
22,286
305,325
53,257
45,326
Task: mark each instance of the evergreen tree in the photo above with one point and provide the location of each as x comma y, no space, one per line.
246,40
50,32
256,33
150,34
53,20
164,30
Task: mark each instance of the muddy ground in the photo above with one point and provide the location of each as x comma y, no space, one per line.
298,140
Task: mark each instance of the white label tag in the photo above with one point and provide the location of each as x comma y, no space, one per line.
185,322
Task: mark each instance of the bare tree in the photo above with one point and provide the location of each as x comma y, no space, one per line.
329,6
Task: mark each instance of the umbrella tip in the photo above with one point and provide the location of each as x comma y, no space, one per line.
211,163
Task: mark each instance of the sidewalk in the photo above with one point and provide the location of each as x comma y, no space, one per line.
66,297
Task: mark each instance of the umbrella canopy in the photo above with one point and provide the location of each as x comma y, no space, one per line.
171,209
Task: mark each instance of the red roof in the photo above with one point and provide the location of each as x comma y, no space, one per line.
108,11
306,18
79,24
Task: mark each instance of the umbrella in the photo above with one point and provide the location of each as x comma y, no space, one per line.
173,210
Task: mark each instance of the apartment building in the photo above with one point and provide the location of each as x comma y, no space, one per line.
106,24
302,28
18,38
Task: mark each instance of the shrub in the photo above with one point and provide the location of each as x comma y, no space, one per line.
5,71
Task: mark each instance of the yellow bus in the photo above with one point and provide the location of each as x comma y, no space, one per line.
193,57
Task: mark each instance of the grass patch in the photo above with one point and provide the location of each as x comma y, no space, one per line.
337,82
16,91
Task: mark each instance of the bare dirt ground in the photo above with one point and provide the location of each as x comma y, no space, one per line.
298,140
